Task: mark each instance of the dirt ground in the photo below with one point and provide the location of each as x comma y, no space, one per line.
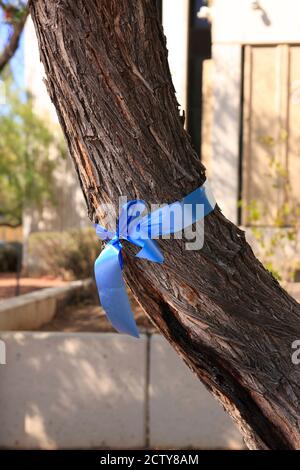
84,314
8,284
81,315
88,316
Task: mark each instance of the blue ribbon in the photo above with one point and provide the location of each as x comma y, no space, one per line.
141,230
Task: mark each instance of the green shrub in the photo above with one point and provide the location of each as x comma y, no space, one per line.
70,254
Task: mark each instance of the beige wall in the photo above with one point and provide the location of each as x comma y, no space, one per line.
175,20
271,146
237,23
34,75
9,234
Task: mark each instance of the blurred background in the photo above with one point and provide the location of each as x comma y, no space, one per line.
67,380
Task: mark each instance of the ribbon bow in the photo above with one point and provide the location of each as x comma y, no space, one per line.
140,230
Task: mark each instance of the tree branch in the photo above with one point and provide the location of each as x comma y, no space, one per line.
14,40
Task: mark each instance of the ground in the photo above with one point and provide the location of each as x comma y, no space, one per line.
91,317
84,314
8,284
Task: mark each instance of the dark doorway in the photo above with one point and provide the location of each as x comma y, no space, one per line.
199,50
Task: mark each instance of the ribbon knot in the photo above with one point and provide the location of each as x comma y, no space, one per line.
140,231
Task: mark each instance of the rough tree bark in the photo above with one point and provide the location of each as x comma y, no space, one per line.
108,76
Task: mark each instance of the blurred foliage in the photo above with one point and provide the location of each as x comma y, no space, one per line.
69,254
27,146
285,221
13,10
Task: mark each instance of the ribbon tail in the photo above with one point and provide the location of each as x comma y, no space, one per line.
112,291
150,250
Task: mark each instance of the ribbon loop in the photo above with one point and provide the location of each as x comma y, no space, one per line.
140,230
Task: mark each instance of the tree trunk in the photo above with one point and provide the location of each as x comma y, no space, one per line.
108,76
